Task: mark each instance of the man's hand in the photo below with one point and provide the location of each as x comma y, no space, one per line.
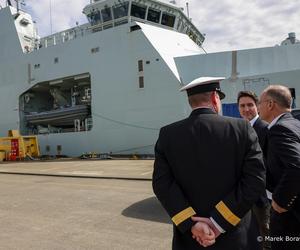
203,234
209,223
204,231
277,208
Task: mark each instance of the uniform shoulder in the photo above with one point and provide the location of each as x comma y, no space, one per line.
174,125
234,120
216,119
238,125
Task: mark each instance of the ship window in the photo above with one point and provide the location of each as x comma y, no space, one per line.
94,17
183,28
153,15
120,10
192,35
106,14
58,149
141,82
56,60
138,11
189,32
47,148
97,16
95,50
24,21
179,24
168,20
140,65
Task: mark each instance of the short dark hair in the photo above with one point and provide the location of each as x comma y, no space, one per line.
247,93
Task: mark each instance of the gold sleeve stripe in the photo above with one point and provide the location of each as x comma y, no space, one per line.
227,214
183,215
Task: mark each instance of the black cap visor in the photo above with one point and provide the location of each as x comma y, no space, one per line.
221,94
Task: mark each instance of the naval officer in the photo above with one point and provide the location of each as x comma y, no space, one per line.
208,173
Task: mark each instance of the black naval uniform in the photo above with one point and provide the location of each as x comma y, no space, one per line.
283,179
210,166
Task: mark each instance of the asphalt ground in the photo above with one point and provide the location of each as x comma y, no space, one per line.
116,169
49,212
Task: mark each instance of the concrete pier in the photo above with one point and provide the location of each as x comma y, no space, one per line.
81,205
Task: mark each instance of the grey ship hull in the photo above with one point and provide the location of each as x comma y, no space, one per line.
124,118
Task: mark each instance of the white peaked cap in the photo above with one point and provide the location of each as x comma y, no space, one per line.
204,84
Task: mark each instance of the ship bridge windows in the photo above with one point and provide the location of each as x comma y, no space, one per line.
179,24
168,20
153,15
106,14
120,10
94,17
183,28
121,13
106,18
138,11
192,35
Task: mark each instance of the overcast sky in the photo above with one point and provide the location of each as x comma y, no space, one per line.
228,24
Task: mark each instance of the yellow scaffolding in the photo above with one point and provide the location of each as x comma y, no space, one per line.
17,147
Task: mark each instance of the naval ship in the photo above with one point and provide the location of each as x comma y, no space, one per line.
109,85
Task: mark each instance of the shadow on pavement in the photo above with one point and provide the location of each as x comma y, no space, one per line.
148,209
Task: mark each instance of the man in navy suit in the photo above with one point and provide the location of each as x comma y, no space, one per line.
283,166
247,104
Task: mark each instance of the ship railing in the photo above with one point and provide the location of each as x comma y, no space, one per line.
98,26
86,29
79,31
63,36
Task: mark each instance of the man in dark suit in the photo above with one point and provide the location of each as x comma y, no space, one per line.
283,164
247,104
208,173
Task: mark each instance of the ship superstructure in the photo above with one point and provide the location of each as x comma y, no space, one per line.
104,86
109,85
